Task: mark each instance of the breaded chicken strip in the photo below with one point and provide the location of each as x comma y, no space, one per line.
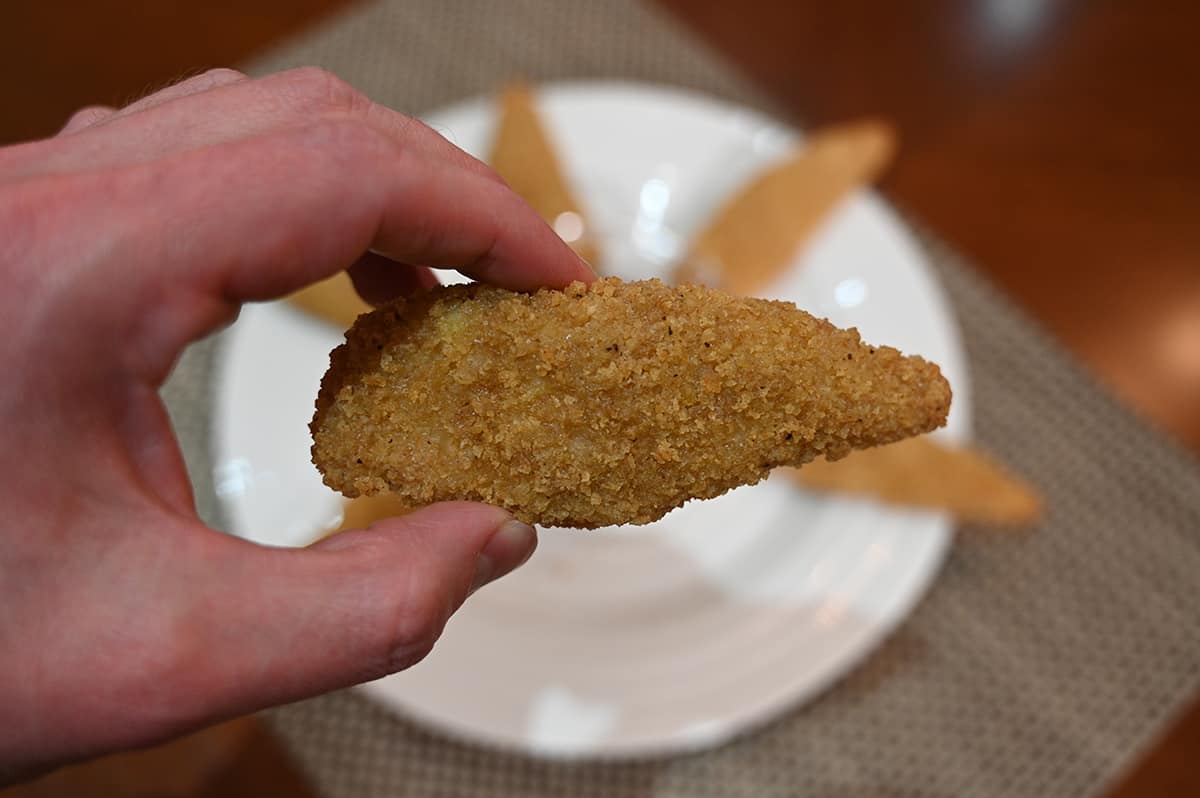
609,403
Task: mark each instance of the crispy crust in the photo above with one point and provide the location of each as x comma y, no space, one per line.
602,404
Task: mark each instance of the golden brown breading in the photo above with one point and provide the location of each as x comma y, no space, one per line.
604,404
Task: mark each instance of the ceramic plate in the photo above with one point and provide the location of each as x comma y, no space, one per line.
638,640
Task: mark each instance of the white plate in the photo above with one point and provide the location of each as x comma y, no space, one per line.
640,640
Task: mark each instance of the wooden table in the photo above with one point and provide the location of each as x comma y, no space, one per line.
1055,143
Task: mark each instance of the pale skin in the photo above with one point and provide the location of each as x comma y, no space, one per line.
133,232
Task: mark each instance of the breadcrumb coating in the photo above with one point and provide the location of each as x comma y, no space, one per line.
608,403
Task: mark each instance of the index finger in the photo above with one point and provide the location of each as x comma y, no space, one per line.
259,218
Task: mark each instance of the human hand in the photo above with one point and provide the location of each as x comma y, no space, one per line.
123,619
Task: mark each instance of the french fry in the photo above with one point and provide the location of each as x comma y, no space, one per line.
360,513
757,233
922,472
333,299
523,154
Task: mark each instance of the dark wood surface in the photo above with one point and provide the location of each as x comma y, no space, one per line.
1055,143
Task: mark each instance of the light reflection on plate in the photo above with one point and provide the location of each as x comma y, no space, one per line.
647,640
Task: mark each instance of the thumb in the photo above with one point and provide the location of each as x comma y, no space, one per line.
354,607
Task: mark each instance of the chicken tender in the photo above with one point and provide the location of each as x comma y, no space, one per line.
608,403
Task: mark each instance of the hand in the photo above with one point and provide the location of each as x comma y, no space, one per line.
124,620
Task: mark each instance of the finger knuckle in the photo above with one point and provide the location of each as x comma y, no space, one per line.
431,138
320,90
88,115
417,129
417,622
219,76
204,81
346,141
405,656
417,626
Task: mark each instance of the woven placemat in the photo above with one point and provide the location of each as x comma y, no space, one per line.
1037,665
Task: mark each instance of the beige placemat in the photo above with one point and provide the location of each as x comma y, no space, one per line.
1036,666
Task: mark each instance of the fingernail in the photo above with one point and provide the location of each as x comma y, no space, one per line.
509,547
592,276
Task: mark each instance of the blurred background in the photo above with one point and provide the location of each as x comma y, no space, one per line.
1056,143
